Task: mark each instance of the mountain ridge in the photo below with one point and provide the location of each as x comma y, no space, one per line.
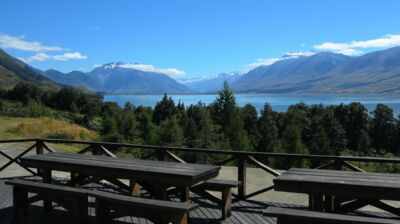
113,77
13,70
327,72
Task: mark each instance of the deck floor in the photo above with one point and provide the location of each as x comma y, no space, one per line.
247,212
242,211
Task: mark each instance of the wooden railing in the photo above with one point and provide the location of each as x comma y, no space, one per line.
240,159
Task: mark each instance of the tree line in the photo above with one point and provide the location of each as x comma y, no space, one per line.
303,129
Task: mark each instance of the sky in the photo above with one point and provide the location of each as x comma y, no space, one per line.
188,38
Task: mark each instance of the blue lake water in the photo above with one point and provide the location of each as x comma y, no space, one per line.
280,102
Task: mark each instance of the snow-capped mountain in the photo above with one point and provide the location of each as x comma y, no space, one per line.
116,77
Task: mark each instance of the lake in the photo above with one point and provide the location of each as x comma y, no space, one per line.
280,102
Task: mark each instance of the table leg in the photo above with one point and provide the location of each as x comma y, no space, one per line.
184,193
74,179
316,202
329,203
134,188
46,175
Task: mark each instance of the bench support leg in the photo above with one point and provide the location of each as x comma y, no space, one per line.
20,205
316,202
79,210
103,215
184,194
46,175
226,203
181,219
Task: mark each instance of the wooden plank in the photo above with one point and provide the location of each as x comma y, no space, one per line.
263,166
302,216
140,170
167,167
107,152
352,167
394,175
143,202
342,180
174,157
37,187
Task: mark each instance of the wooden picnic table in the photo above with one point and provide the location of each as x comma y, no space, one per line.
342,191
154,176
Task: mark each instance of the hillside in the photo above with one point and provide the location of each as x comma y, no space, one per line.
13,71
75,78
376,72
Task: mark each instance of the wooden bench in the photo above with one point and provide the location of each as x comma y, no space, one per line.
296,216
223,186
75,200
110,206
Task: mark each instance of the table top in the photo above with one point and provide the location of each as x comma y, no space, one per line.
347,183
151,171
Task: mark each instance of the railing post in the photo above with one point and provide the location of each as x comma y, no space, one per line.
338,164
39,147
39,150
96,150
162,155
242,176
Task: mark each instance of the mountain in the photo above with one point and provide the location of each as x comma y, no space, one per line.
75,78
213,84
376,72
13,71
290,75
325,72
118,78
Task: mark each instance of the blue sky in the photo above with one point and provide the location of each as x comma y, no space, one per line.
188,38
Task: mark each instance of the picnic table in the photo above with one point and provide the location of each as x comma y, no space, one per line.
342,191
154,176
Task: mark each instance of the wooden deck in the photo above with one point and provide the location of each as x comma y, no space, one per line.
246,212
242,212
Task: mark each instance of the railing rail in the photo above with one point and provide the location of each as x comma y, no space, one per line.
239,158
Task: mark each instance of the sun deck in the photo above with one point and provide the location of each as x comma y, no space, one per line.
244,210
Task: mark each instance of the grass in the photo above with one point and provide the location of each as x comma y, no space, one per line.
16,127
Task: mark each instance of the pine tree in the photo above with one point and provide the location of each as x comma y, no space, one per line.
164,109
292,143
226,114
268,129
250,119
129,125
171,133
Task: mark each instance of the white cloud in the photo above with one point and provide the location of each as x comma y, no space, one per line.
350,48
38,57
300,53
18,43
173,72
262,62
69,56
349,52
270,61
60,57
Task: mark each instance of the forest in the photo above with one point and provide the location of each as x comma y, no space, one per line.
223,125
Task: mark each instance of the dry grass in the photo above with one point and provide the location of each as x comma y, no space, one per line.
50,128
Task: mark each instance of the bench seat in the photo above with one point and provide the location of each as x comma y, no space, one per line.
297,216
110,205
223,186
75,200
